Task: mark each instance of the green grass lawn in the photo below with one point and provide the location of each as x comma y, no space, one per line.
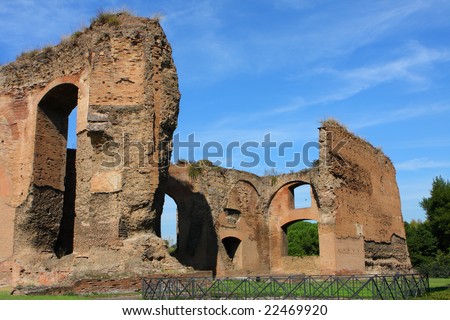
439,290
5,294
351,288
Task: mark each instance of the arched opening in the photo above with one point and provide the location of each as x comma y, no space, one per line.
54,169
302,196
196,237
301,238
169,224
231,245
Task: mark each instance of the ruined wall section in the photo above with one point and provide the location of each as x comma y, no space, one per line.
127,97
360,204
133,109
245,218
234,205
122,78
22,84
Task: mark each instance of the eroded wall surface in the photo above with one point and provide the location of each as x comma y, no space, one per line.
360,203
107,193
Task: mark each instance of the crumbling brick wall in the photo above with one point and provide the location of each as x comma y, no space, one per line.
360,204
354,199
121,77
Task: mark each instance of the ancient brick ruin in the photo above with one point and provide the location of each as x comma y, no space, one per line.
354,199
89,213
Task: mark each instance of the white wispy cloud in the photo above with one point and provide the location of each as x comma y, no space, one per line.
402,114
329,97
338,30
409,68
214,53
293,43
196,14
358,27
416,67
421,163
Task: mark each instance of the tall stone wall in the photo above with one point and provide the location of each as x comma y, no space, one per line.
365,206
121,77
360,204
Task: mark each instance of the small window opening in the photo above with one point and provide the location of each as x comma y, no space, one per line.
231,245
302,238
302,196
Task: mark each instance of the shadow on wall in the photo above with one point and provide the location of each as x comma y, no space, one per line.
196,236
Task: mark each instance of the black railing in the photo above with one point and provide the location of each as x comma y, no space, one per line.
374,287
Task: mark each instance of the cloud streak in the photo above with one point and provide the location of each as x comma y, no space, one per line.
402,114
409,68
309,40
421,163
414,68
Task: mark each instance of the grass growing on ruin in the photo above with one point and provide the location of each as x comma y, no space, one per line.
110,18
196,168
44,53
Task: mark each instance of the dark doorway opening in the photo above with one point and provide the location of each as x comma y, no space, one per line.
231,245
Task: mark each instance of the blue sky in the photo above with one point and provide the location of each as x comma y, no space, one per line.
249,68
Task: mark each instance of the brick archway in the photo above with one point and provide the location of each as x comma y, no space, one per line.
282,212
54,175
196,239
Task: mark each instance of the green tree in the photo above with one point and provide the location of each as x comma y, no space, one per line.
422,244
437,208
303,239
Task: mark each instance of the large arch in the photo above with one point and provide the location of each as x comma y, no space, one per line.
54,172
282,213
196,239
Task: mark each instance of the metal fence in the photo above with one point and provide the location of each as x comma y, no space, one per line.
373,287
